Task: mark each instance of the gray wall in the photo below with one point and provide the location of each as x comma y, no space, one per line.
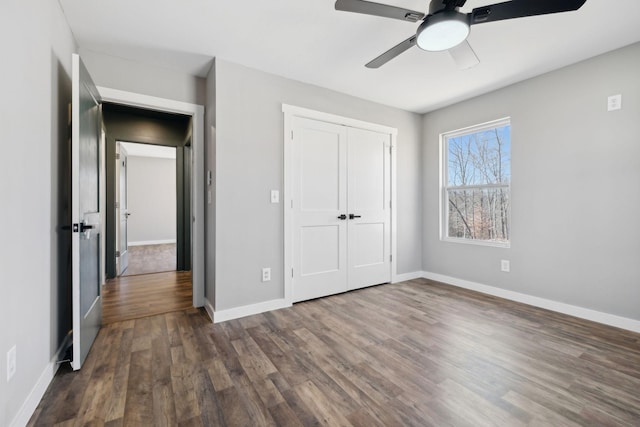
151,185
34,259
132,76
249,163
575,187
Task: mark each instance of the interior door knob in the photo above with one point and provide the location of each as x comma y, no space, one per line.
352,216
342,217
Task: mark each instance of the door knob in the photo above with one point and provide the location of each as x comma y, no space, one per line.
342,217
352,216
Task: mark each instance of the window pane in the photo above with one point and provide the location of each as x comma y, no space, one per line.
480,214
480,158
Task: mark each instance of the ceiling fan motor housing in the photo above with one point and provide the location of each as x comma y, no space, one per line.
439,5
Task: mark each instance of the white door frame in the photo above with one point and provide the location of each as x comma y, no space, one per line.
197,172
291,111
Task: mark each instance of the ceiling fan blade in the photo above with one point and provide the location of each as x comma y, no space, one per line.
377,9
521,8
392,53
464,56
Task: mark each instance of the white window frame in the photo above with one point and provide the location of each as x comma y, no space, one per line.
444,188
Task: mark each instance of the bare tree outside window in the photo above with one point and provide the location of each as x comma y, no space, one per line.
477,172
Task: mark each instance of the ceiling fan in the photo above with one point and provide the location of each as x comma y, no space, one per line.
446,28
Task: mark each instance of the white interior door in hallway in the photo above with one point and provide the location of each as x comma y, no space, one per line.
341,202
122,209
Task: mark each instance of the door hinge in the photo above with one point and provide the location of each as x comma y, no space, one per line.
291,135
390,148
117,254
117,205
291,203
390,258
292,272
117,156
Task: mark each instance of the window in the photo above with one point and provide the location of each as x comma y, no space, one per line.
476,171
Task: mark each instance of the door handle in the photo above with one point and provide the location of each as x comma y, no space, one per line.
342,217
78,228
352,216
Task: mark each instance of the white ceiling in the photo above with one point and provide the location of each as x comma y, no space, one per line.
307,40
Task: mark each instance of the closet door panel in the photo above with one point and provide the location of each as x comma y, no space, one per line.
369,201
319,199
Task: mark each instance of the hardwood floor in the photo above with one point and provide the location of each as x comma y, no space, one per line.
415,353
132,297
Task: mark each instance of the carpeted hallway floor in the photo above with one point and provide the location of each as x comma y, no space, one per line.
147,259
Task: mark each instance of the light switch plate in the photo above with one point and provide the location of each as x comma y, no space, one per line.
505,265
11,363
275,196
614,102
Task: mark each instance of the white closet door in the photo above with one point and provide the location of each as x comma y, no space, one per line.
369,202
319,200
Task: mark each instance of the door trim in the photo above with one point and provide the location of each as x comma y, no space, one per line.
291,111
197,174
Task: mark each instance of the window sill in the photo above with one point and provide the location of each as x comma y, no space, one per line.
504,245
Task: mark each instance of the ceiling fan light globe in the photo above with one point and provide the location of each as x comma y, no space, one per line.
443,31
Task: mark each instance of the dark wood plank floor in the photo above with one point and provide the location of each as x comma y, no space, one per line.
415,353
132,297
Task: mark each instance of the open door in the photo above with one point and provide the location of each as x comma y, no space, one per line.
85,189
122,209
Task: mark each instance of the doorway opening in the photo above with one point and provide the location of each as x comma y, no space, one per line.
146,209
148,229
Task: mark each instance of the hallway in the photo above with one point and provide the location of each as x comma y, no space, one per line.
133,297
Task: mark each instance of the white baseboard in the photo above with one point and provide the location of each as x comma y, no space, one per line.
248,310
151,242
33,400
407,276
572,310
209,307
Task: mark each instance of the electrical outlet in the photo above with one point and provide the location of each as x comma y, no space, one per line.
266,274
505,265
11,363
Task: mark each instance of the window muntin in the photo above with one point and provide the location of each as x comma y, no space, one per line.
476,194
